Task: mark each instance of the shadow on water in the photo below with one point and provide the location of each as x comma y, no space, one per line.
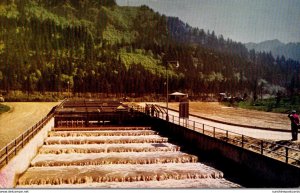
232,171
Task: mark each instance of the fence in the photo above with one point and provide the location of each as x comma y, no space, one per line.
271,149
11,149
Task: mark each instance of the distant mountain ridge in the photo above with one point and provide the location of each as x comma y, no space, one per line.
290,50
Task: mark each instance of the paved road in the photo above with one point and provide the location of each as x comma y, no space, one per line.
251,132
256,133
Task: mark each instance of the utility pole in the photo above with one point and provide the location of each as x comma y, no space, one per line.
167,100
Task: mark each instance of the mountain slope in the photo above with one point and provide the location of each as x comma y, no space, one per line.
290,50
98,47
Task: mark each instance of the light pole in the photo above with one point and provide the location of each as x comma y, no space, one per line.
167,101
68,89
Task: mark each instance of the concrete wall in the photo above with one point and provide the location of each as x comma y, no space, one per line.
262,170
19,164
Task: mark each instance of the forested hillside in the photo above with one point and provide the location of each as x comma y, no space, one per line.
290,50
99,47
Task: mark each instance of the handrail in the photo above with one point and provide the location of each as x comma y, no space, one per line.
6,153
18,143
246,142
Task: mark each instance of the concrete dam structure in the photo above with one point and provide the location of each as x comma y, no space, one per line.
98,144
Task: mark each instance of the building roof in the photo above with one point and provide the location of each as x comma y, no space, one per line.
177,94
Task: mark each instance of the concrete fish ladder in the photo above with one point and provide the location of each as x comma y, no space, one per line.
128,159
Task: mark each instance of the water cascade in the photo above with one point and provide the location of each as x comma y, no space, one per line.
116,157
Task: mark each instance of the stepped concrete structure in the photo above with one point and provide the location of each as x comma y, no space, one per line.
116,157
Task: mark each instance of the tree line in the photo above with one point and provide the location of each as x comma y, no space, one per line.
38,54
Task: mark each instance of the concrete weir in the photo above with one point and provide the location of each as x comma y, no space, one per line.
118,161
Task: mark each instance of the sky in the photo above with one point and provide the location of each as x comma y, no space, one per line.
240,20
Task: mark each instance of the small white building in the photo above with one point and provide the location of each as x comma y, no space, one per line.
177,96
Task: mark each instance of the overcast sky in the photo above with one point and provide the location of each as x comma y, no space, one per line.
240,20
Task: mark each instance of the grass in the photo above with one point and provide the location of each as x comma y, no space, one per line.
4,108
269,105
22,116
19,96
147,60
139,56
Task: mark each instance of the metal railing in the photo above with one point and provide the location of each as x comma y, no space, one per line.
271,149
11,149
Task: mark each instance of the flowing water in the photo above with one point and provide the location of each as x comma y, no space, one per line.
116,157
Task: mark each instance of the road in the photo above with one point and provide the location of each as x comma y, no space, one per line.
255,133
284,134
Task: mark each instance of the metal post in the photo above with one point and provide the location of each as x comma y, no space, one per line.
22,140
242,141
167,65
15,146
194,126
68,89
214,133
262,147
167,117
203,128
227,137
286,155
6,152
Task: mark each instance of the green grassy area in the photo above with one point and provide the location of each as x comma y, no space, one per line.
270,105
4,108
140,56
19,96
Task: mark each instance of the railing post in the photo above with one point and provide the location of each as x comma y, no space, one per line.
173,118
194,126
227,137
15,146
6,152
22,140
242,141
203,128
214,133
31,133
262,147
286,155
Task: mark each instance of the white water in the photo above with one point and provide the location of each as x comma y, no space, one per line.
105,139
100,133
131,158
107,148
186,183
